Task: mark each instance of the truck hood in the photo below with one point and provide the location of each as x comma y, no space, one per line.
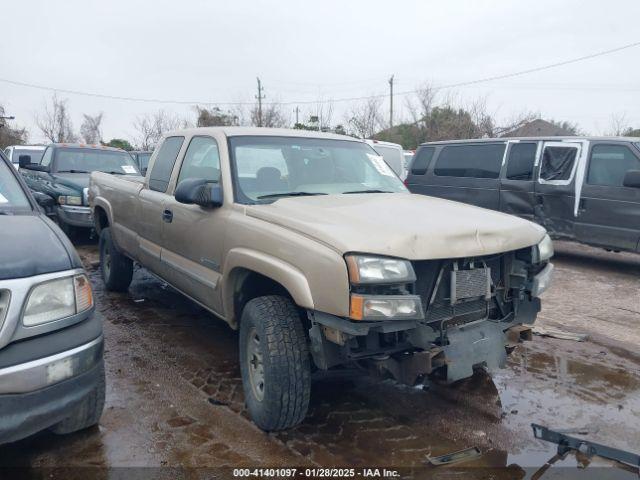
400,225
33,245
74,181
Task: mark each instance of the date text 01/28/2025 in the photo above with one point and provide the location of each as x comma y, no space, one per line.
316,472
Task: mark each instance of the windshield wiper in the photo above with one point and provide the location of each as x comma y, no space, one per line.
291,194
373,190
113,172
73,171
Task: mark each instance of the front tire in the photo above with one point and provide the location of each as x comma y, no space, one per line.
87,413
274,362
116,269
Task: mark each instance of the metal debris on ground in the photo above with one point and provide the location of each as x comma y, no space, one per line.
552,332
566,443
455,457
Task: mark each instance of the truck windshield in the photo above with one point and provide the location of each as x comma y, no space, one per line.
268,168
80,160
12,198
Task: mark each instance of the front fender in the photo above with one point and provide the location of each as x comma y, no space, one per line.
290,277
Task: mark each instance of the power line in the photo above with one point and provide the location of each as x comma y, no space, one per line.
337,100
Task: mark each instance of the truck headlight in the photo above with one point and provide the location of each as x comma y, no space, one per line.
385,307
366,269
543,251
57,299
69,200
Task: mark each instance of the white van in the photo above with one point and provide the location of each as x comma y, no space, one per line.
34,151
393,154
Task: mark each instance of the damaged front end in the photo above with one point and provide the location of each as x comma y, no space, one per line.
459,314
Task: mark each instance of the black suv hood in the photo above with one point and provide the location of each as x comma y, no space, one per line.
33,245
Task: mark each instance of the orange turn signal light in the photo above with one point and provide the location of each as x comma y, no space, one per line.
356,307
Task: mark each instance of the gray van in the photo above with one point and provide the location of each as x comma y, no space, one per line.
585,189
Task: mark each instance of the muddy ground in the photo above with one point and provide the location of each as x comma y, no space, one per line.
174,395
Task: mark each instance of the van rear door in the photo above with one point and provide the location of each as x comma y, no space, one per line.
517,191
608,212
555,191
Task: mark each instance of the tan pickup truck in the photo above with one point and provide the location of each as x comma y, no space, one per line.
312,247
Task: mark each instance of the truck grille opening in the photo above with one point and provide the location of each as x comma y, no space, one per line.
458,291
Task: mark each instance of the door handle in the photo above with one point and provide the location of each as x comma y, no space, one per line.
167,216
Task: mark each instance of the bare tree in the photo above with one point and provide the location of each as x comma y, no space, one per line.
422,102
618,125
54,122
272,116
365,118
150,128
214,117
11,135
91,128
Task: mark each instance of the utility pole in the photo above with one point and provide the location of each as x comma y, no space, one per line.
391,102
297,114
260,97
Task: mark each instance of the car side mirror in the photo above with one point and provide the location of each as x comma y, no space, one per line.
199,191
24,161
44,200
632,179
143,171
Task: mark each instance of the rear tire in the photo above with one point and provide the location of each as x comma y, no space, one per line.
116,269
87,413
274,362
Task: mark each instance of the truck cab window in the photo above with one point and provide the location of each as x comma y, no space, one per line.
557,163
201,160
522,157
609,163
163,165
475,161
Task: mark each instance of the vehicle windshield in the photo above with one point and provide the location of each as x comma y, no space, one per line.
35,155
81,160
267,168
12,197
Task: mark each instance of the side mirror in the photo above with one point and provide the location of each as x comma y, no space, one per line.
143,171
199,192
44,200
632,179
24,161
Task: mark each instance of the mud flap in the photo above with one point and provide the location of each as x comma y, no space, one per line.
469,345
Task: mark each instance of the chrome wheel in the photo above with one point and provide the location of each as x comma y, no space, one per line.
255,364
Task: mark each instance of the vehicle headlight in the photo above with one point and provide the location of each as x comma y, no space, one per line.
543,251
69,200
385,307
366,269
57,299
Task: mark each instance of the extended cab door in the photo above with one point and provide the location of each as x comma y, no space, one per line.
152,200
555,190
609,213
517,191
192,238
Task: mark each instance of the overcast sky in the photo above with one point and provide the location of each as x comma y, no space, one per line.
212,51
